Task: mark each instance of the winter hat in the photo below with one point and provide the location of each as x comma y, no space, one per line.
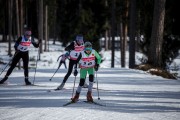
79,39
87,46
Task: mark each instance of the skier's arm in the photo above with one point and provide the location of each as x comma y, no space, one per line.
59,57
75,66
98,58
98,61
17,43
77,61
70,47
36,45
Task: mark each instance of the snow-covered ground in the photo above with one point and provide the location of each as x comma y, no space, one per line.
127,94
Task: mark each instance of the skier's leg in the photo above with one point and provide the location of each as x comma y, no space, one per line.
71,64
91,79
83,73
85,84
78,91
25,59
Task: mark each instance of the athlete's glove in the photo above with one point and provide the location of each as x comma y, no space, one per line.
96,67
75,72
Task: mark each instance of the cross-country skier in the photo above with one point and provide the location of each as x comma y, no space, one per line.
74,49
89,61
22,51
63,59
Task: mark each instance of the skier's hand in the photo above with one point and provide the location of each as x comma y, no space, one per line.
96,67
75,72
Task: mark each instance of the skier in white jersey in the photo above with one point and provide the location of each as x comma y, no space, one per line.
22,51
74,49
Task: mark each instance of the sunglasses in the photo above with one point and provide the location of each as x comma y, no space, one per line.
88,49
28,33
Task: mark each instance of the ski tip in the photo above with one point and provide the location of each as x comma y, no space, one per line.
95,103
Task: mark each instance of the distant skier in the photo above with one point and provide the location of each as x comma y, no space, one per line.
89,61
74,49
63,59
22,51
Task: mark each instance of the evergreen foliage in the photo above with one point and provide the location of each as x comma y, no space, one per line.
91,18
171,47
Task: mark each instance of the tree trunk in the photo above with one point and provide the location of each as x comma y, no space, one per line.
106,40
55,25
5,24
10,3
112,32
125,31
46,28
17,19
21,25
155,51
40,24
21,17
121,39
132,34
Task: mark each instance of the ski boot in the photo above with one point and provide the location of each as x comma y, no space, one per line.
3,80
89,96
27,81
61,86
76,97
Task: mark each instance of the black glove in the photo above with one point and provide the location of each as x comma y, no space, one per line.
96,67
75,72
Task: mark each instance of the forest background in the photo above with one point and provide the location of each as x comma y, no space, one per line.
147,26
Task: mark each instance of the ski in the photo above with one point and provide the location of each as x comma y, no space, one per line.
35,85
22,85
54,90
95,103
68,103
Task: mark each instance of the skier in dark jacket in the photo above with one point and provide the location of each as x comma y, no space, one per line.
74,49
22,46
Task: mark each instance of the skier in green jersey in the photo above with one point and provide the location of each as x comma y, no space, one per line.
89,61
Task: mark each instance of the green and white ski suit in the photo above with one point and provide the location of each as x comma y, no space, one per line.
86,63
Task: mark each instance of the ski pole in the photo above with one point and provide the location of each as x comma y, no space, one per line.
36,64
5,67
97,86
8,63
74,86
54,73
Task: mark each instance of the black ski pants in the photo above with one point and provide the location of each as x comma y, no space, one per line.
70,68
15,60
